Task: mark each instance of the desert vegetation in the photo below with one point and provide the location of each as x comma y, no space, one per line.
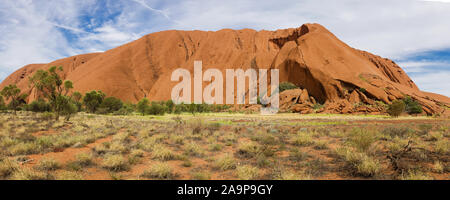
102,137
222,146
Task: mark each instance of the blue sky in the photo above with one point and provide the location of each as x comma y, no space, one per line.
414,33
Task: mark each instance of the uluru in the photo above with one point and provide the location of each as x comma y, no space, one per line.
327,71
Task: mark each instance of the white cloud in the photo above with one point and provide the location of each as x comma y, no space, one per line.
162,12
27,36
34,31
436,82
391,28
423,66
110,35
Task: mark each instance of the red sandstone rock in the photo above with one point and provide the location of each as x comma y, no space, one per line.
310,57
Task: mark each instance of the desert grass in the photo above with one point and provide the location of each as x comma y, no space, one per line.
159,170
225,145
115,163
48,164
247,172
226,162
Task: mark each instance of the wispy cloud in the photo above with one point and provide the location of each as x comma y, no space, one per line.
142,2
68,28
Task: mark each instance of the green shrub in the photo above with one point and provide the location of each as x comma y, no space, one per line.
362,139
39,106
68,108
92,100
412,106
287,86
2,103
170,105
111,104
363,90
396,108
142,106
126,109
12,94
156,109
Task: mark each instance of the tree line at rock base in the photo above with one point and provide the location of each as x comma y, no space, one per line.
57,99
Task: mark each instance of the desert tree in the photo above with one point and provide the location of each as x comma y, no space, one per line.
170,106
111,104
92,100
77,97
2,103
396,108
12,94
53,88
143,106
68,106
412,106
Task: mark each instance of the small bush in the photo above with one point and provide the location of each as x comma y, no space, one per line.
2,103
438,167
163,153
199,176
396,108
282,174
142,106
193,149
69,176
368,167
115,163
137,153
226,162
442,147
126,109
359,163
412,106
156,109
287,86
249,149
262,161
29,174
215,147
415,175
395,131
297,155
111,104
92,100
84,159
48,165
39,106
7,168
47,116
362,139
303,139
363,90
247,172
160,171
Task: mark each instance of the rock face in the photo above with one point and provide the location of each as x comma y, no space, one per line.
328,71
